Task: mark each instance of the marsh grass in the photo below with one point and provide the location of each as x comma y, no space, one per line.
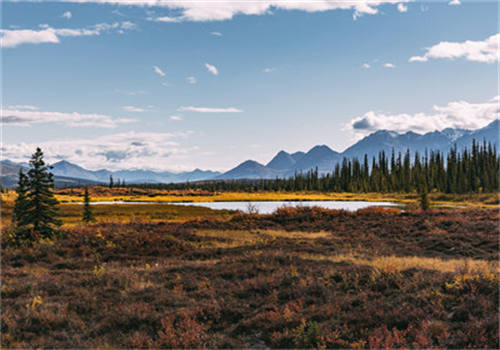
105,194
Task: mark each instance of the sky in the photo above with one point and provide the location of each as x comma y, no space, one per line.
178,85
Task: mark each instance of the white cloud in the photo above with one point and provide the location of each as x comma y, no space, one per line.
128,25
366,66
201,11
27,117
115,151
268,70
212,69
486,51
454,2
402,8
389,65
159,71
67,15
460,114
209,110
216,33
191,80
20,107
176,117
13,38
133,109
166,19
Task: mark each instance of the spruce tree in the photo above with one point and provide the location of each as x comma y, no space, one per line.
424,199
110,181
87,212
42,205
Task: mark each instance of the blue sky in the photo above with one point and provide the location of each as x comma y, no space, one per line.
168,85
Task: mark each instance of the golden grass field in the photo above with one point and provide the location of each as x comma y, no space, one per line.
104,194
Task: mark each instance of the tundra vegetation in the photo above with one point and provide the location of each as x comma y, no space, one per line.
167,276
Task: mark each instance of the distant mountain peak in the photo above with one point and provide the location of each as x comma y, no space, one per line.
321,148
281,161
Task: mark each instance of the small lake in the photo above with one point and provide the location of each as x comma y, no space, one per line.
266,207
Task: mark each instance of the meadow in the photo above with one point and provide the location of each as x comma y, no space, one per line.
190,277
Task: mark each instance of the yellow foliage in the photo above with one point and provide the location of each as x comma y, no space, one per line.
37,300
98,270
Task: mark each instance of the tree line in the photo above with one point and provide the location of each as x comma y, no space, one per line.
471,170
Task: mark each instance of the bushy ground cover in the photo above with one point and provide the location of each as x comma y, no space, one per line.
301,277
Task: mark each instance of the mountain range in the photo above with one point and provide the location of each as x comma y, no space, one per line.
324,158
284,164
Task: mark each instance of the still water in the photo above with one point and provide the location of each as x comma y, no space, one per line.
268,206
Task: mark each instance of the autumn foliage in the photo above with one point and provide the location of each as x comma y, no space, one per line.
299,278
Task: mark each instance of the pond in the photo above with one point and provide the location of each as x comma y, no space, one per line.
267,207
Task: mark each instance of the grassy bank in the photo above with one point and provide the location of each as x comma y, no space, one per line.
104,194
298,278
71,214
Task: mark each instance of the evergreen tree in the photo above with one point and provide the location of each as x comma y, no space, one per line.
424,199
110,181
41,210
87,212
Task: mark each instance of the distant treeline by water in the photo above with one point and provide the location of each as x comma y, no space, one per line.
466,171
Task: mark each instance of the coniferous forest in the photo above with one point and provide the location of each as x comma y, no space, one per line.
474,170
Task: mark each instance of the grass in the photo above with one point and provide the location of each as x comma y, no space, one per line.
299,278
104,194
464,266
71,214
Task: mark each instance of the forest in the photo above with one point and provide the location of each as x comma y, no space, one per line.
474,170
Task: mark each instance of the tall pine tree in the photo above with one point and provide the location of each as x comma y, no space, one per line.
41,209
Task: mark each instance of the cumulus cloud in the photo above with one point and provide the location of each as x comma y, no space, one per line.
366,66
459,114
67,15
212,69
402,7
191,80
13,38
201,11
133,109
115,151
268,70
209,110
486,51
454,2
389,65
176,117
216,33
159,71
28,117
